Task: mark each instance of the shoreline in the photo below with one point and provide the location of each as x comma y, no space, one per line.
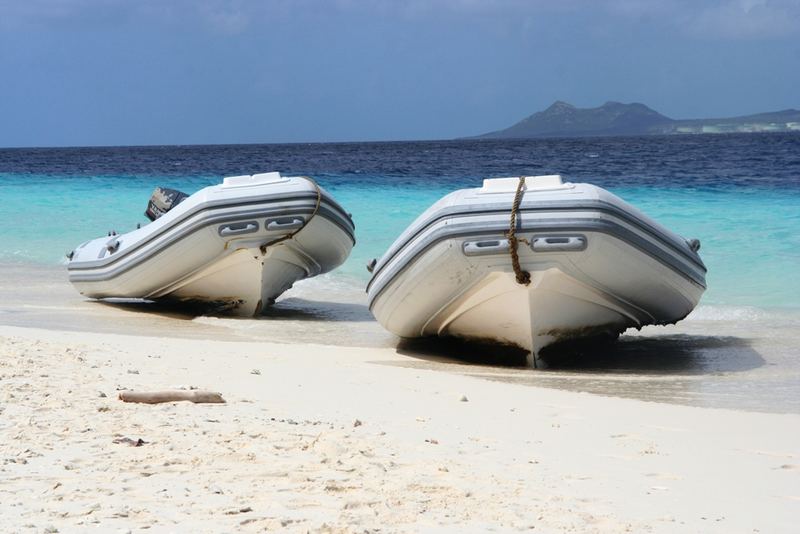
726,357
297,448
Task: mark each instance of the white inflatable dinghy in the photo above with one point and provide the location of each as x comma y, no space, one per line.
588,264
237,245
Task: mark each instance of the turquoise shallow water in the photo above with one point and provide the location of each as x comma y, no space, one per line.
750,237
739,194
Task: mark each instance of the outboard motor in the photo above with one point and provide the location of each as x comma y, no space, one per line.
162,200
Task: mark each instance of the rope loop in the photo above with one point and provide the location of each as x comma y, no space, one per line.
316,207
523,277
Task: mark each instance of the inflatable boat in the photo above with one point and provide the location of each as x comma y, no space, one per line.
236,246
532,262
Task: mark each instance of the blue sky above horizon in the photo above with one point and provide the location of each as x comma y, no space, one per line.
116,72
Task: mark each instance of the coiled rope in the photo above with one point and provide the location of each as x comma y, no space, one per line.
305,222
523,277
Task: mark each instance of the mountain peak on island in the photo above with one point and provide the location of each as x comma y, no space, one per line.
560,105
562,119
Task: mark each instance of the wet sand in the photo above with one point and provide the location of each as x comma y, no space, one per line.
735,358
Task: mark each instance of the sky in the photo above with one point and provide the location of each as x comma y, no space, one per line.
145,72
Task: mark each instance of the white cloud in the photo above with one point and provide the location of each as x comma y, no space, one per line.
748,19
226,17
728,19
718,19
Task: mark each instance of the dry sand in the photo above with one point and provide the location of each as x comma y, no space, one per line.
341,439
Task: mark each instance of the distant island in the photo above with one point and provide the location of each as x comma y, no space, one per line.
614,118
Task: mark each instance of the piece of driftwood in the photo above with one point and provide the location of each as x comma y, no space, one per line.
128,441
171,395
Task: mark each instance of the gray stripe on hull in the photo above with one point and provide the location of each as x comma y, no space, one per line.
537,206
181,233
273,197
347,227
613,229
334,213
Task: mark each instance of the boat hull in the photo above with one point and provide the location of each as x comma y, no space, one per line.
236,250
593,274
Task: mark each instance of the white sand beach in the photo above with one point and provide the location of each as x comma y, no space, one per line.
325,212
352,439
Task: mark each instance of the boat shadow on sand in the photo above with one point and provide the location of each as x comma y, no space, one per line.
682,354
296,308
676,354
289,309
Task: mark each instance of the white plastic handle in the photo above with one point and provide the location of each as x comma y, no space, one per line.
485,247
237,230
558,243
283,224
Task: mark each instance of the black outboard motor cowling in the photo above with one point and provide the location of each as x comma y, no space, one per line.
162,200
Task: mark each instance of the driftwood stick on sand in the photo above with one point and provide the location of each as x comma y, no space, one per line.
171,395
